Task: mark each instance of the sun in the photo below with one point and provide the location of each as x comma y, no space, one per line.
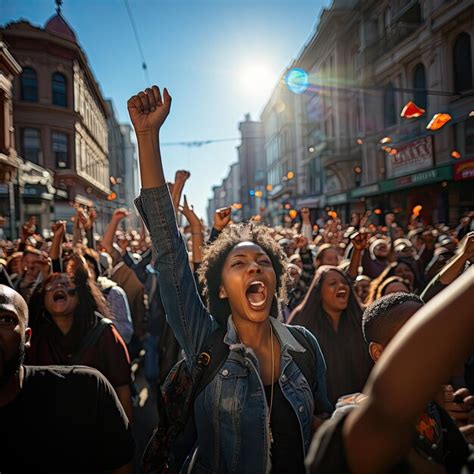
257,79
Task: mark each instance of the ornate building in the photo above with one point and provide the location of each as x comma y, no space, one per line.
60,115
365,61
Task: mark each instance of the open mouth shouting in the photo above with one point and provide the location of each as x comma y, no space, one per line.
256,295
60,296
342,294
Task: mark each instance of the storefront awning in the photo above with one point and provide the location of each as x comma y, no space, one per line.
417,179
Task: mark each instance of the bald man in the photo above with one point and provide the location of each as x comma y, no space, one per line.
55,419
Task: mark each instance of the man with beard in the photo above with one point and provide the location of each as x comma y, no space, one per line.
55,419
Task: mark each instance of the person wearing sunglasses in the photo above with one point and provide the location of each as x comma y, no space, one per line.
70,327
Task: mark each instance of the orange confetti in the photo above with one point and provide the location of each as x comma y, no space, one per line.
417,209
378,211
411,110
269,187
293,213
385,140
438,121
112,196
455,154
360,141
290,175
393,151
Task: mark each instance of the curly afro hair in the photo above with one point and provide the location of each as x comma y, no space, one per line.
215,254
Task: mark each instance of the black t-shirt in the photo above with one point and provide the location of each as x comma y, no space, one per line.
327,453
287,448
65,419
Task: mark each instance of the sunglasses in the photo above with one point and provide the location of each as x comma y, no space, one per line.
60,286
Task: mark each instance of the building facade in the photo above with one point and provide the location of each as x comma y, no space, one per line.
251,159
130,178
60,116
365,61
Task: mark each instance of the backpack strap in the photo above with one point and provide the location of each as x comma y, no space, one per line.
216,351
90,339
306,361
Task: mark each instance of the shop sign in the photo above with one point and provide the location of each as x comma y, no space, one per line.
424,177
464,170
416,156
365,190
313,202
337,199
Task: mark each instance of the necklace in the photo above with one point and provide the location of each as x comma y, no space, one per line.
273,382
271,390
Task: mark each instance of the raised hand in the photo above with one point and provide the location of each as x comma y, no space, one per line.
120,214
222,218
59,227
181,176
300,241
29,228
359,240
188,212
147,109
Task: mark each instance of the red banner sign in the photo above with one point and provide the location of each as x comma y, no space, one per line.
464,170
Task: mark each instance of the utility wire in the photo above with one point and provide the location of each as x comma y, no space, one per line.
140,49
199,143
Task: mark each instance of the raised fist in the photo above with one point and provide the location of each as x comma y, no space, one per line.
148,111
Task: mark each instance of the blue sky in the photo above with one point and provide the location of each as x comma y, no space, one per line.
219,59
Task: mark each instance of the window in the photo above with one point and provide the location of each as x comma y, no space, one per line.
59,90
31,145
29,85
419,83
60,149
390,116
462,63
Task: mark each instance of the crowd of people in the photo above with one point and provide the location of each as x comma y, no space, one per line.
336,347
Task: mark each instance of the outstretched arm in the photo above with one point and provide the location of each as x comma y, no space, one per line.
452,270
109,234
187,316
439,336
359,241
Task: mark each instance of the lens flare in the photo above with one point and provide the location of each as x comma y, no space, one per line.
297,80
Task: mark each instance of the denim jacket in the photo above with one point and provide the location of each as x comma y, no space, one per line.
231,413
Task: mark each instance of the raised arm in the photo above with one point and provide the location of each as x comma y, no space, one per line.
187,316
109,234
197,237
439,336
452,269
359,242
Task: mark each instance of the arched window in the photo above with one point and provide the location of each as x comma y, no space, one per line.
419,83
29,85
31,145
59,90
389,112
462,63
